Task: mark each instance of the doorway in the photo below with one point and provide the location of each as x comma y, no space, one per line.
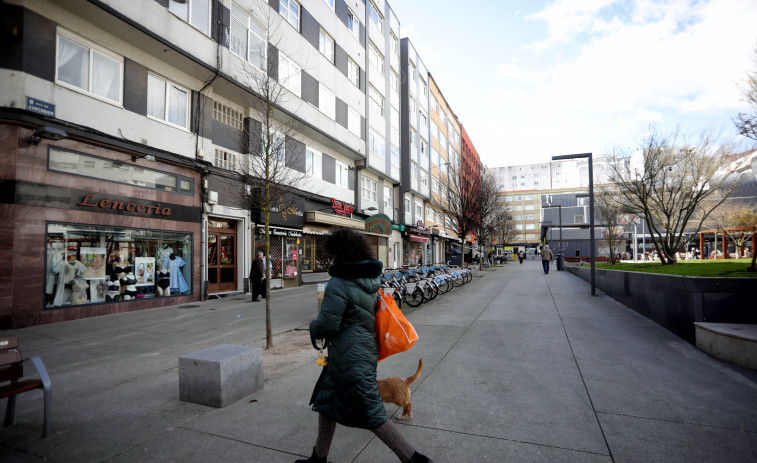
222,256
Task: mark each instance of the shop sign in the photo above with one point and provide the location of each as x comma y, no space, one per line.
378,223
418,238
50,196
280,232
134,206
286,210
341,207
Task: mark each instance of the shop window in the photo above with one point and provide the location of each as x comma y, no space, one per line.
71,162
95,265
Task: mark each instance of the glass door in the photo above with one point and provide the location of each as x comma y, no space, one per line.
222,256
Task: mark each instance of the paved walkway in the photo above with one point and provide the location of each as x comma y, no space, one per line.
518,366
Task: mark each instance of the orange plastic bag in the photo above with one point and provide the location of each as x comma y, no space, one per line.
393,332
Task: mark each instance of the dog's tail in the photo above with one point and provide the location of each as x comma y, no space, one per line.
417,372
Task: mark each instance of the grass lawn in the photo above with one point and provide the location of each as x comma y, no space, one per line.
729,268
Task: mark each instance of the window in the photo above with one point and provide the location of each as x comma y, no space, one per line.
353,24
167,101
439,217
413,172
395,156
195,12
434,130
278,148
376,144
530,207
395,82
353,72
394,44
247,38
442,118
411,108
71,162
434,103
435,158
88,249
413,149
376,101
368,189
330,3
394,117
434,185
342,175
313,163
290,10
388,203
227,115
424,88
424,146
326,45
375,17
225,160
530,226
353,121
89,69
424,120
412,75
429,213
418,210
407,205
376,58
289,74
327,102
424,177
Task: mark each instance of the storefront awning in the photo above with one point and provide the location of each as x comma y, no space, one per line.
333,219
421,239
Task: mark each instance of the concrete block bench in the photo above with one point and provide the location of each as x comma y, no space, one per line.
731,342
220,375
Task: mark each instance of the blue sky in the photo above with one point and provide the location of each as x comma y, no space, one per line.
532,79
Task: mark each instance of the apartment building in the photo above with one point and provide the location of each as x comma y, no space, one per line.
125,124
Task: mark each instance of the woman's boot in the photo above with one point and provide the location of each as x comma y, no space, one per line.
419,458
313,459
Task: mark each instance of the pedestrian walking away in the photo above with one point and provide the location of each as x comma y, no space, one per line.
257,273
346,392
521,256
546,258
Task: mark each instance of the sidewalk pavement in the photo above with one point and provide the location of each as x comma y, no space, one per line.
518,366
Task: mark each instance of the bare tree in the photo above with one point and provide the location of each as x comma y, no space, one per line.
668,181
504,227
273,171
608,211
462,202
736,221
747,123
488,206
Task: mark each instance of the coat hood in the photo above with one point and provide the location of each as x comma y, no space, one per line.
365,274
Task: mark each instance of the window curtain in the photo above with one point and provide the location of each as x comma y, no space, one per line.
177,106
106,77
67,51
156,97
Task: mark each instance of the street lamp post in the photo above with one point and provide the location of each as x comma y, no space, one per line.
592,252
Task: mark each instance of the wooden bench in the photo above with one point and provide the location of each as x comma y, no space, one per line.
12,371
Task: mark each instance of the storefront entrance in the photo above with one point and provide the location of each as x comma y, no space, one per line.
222,256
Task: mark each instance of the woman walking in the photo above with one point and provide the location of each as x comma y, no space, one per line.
346,392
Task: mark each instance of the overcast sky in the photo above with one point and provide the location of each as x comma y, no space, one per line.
531,79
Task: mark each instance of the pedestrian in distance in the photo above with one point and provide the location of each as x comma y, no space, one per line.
578,254
257,274
546,258
521,256
346,392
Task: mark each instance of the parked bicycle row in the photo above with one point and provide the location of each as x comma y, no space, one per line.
416,285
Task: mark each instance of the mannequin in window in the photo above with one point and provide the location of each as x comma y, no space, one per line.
178,283
129,286
79,291
164,255
114,288
67,273
164,281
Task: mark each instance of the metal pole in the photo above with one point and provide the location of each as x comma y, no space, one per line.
559,211
635,245
591,226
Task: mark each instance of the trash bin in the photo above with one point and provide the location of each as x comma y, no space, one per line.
560,262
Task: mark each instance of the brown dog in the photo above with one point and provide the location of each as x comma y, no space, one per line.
396,390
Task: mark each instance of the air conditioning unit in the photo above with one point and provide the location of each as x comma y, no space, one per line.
212,197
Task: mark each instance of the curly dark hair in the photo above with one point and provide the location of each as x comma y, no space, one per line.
346,245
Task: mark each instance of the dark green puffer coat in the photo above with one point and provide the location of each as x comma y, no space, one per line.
346,392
